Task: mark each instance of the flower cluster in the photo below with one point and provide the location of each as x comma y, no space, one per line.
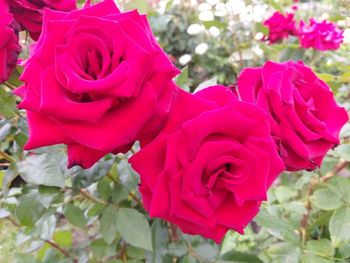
207,159
318,35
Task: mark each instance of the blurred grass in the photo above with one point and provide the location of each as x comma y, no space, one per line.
7,241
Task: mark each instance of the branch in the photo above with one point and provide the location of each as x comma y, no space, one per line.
10,86
92,198
336,169
7,157
56,246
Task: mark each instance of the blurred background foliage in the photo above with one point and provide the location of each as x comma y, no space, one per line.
50,214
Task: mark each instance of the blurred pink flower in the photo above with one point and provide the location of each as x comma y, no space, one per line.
280,26
320,35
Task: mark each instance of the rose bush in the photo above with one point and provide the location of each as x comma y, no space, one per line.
29,13
210,167
9,46
304,116
94,90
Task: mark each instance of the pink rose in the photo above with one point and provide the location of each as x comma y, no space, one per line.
9,46
97,81
211,165
28,13
280,26
321,36
304,117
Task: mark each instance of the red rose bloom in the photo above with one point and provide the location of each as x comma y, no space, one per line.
210,167
9,46
97,81
304,117
29,13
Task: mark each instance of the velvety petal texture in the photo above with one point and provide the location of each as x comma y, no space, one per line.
9,46
304,117
211,165
280,26
29,13
320,35
97,81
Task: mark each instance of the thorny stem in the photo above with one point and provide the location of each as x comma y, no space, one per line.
59,248
10,86
174,237
131,194
193,253
336,169
51,243
92,198
7,157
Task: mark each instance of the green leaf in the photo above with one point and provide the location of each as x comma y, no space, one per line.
284,252
321,246
345,77
284,193
104,189
135,253
316,250
7,104
141,5
242,257
21,139
263,29
29,209
41,170
182,79
2,176
325,199
108,224
134,228
339,226
207,251
188,259
281,226
345,250
177,249
160,23
326,77
207,83
160,238
63,238
340,186
22,258
100,247
275,5
343,151
74,215
14,78
10,174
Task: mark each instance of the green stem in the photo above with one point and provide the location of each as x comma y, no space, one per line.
7,157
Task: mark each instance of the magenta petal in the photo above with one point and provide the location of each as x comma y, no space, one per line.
83,156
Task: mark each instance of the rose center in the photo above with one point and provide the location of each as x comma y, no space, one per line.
92,63
224,173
